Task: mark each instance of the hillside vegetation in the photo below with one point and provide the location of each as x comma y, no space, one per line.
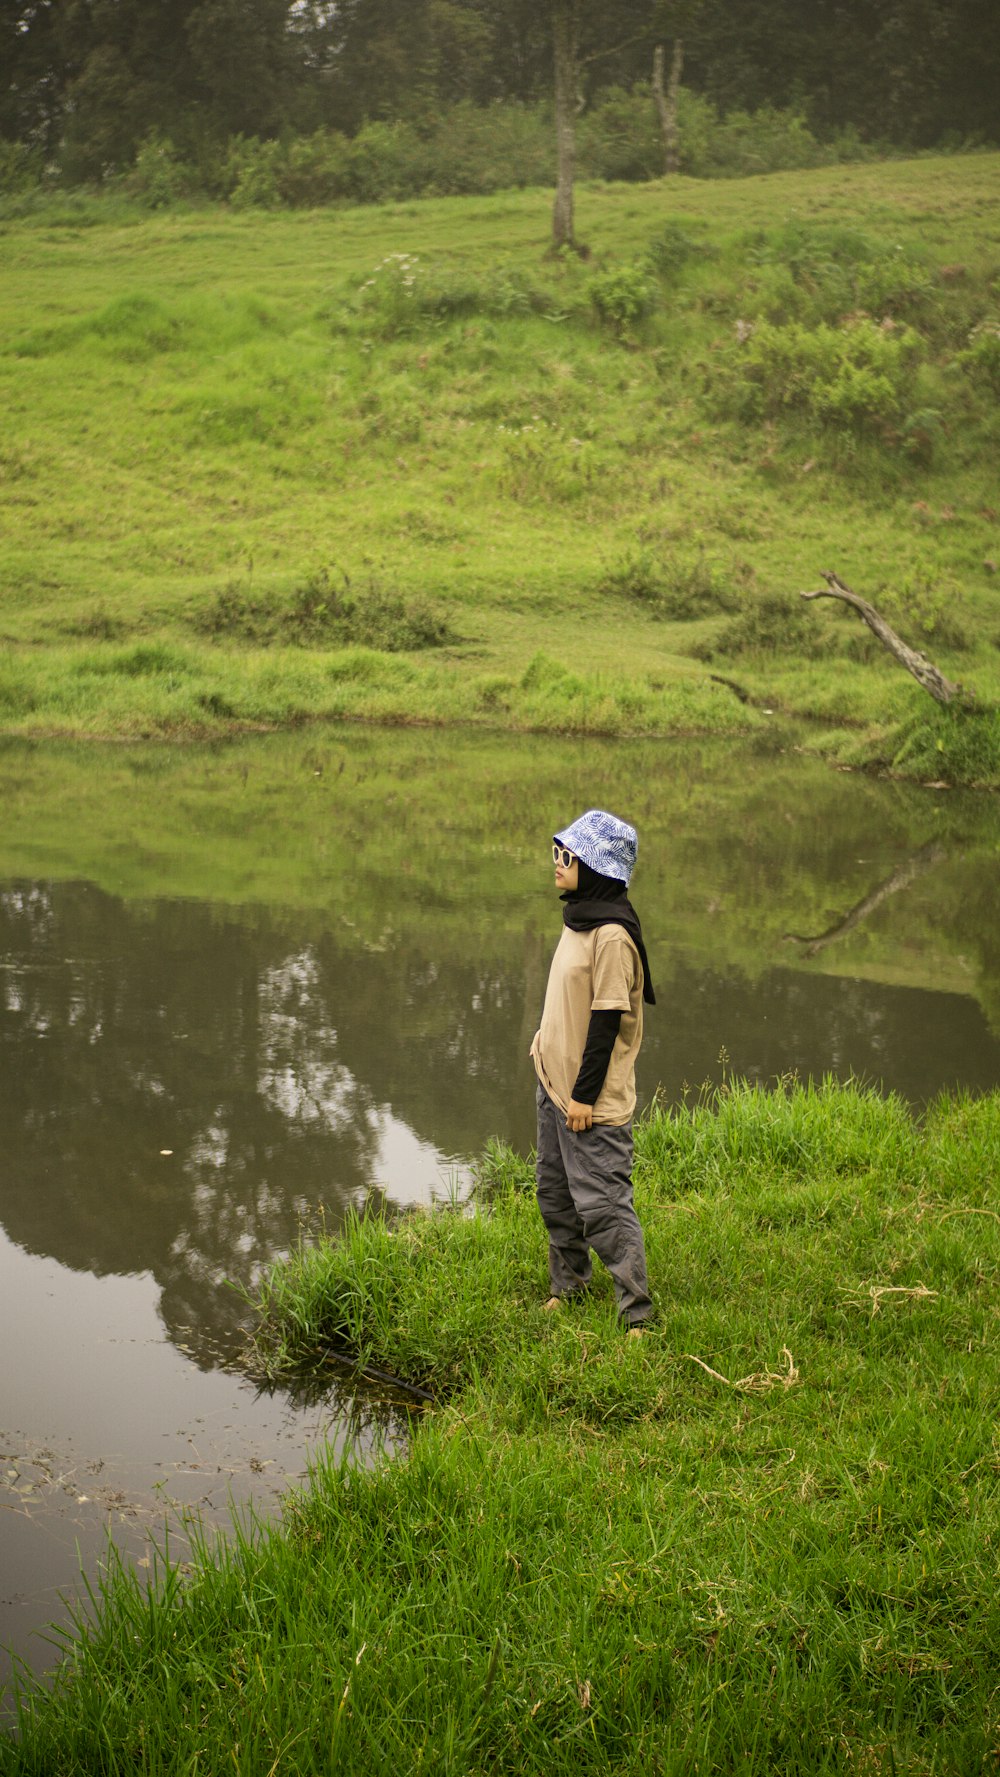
398,463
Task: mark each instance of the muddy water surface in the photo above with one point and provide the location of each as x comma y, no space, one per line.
243,989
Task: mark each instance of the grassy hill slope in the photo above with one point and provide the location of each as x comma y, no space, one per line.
399,464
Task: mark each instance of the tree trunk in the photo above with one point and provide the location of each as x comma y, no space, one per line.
923,670
666,102
564,44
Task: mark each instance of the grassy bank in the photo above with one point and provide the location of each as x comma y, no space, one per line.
397,464
763,1539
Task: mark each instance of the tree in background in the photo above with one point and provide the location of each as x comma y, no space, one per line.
242,64
565,26
30,58
121,74
666,101
633,23
85,81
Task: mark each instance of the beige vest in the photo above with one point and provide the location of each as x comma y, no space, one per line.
591,972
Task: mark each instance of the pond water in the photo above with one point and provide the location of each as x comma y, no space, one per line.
243,988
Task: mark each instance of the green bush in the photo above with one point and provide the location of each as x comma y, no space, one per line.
893,284
924,610
812,272
623,295
857,378
769,140
677,589
483,148
159,176
385,161
20,169
405,292
322,614
981,359
953,744
619,138
674,247
768,625
252,174
313,170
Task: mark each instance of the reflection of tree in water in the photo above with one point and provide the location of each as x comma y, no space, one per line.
269,1057
128,1030
978,926
127,1033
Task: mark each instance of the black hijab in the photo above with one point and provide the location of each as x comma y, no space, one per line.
602,901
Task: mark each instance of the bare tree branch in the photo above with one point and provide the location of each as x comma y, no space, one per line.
599,54
923,670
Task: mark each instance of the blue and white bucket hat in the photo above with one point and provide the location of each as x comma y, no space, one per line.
608,845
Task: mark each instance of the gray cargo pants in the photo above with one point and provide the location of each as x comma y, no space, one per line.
584,1191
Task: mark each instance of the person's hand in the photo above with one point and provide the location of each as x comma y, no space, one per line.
579,1116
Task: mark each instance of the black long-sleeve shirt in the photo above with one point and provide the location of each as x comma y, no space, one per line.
603,1029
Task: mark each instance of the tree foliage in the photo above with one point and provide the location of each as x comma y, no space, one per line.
86,80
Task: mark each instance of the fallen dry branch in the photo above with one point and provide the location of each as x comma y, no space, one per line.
759,1381
917,1292
923,670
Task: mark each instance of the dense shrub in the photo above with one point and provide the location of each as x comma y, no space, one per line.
768,625
160,177
623,295
322,614
981,358
810,272
313,170
252,174
675,246
20,168
893,284
619,138
675,588
859,377
406,290
952,743
484,148
925,610
465,148
386,161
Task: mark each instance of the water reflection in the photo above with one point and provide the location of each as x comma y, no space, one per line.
175,1096
309,976
185,1089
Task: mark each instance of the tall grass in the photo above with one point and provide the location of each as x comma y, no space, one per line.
759,1540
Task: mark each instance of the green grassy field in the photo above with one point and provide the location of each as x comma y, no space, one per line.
762,1539
257,470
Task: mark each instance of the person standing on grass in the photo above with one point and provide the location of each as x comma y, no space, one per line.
584,1057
